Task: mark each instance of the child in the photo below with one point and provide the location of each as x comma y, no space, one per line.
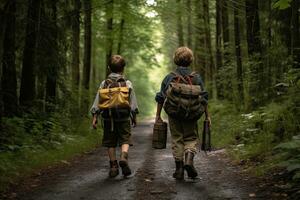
182,121
116,118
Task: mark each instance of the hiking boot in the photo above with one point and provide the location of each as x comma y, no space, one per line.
114,169
189,165
124,164
179,173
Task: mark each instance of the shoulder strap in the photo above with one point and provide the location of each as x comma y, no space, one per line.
179,77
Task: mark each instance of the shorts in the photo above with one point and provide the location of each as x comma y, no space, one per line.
119,135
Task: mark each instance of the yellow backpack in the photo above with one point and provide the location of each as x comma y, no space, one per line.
114,95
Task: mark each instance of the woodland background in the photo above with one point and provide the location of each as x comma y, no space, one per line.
54,55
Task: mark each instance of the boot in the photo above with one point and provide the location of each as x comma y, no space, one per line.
189,165
124,164
179,173
114,169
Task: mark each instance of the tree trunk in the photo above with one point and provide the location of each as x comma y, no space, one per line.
9,79
225,31
255,52
179,24
219,61
87,44
210,65
27,90
199,53
52,67
75,44
189,23
295,50
239,67
109,32
121,35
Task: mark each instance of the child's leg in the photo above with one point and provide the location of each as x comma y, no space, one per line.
112,153
114,167
125,148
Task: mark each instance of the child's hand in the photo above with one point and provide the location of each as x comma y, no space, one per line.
133,122
95,121
209,120
158,119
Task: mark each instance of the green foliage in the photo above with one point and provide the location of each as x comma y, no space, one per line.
252,137
281,4
290,153
37,144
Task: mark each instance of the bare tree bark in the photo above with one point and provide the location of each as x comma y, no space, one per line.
27,90
52,74
255,53
179,23
295,49
239,66
225,31
189,23
9,79
75,44
199,53
87,44
219,59
109,32
210,67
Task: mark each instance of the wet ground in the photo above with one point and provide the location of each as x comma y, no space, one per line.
87,177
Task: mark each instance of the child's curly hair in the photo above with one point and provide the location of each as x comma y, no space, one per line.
183,56
117,63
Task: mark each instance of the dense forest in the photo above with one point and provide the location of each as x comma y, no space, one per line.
55,53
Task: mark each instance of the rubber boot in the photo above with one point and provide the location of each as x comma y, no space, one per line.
189,165
114,169
124,164
179,173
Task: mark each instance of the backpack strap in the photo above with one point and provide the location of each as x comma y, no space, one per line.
179,77
186,79
120,82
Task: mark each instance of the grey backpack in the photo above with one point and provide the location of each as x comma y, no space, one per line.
184,99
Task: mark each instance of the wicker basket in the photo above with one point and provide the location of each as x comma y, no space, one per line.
159,140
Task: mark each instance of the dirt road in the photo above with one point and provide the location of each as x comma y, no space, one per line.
87,178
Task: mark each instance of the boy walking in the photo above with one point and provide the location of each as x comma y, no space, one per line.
184,99
116,102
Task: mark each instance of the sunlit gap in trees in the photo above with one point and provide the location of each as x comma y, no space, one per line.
159,67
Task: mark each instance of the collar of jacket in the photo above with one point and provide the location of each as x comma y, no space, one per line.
184,70
115,75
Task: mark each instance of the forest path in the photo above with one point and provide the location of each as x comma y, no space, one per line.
87,177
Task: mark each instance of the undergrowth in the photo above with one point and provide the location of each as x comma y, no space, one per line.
261,140
34,142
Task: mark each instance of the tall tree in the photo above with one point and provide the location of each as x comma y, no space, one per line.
189,23
109,7
199,52
52,74
75,44
27,90
225,31
295,49
255,52
122,26
210,67
9,79
87,43
239,67
219,61
179,23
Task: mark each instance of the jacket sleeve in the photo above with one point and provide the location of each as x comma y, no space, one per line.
133,101
95,109
161,95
